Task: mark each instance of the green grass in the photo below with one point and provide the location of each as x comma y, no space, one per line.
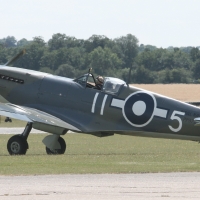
89,154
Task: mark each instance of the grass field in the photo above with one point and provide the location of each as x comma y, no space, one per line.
116,154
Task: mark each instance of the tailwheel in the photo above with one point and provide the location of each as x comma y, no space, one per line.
17,145
62,143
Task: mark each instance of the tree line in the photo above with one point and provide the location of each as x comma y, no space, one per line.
71,57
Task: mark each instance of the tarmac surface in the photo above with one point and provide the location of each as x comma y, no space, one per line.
164,186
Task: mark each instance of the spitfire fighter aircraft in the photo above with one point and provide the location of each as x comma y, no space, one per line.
56,105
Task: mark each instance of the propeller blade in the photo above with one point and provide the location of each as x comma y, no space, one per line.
16,57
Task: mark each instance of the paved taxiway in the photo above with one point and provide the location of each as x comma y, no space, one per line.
172,186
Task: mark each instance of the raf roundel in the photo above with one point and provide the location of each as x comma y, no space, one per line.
139,108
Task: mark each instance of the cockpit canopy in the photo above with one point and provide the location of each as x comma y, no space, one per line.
111,85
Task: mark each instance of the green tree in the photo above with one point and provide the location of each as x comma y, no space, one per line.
34,52
3,55
194,54
49,60
182,60
23,42
61,40
103,60
143,75
196,69
9,41
180,75
66,71
128,49
96,41
152,60
71,56
57,41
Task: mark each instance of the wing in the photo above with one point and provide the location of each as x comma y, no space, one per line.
33,115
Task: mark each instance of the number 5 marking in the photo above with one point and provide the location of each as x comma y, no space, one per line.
178,119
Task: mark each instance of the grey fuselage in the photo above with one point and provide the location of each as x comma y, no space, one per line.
131,111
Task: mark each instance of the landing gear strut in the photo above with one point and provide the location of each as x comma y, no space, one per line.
61,150
17,144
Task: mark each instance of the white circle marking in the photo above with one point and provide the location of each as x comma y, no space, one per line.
139,108
135,93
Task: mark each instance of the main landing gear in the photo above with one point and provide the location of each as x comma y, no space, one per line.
18,145
56,151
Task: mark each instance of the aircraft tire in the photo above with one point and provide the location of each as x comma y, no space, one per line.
17,145
57,151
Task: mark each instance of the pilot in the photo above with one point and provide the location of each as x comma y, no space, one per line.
99,82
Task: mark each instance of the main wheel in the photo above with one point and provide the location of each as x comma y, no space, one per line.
8,119
17,145
57,151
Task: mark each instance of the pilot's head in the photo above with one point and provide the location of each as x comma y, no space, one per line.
99,80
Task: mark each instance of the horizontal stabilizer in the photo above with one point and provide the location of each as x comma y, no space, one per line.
195,103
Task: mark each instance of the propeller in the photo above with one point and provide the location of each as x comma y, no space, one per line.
15,58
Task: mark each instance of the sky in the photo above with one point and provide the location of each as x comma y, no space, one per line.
160,23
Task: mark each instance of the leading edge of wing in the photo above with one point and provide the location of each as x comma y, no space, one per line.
33,115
